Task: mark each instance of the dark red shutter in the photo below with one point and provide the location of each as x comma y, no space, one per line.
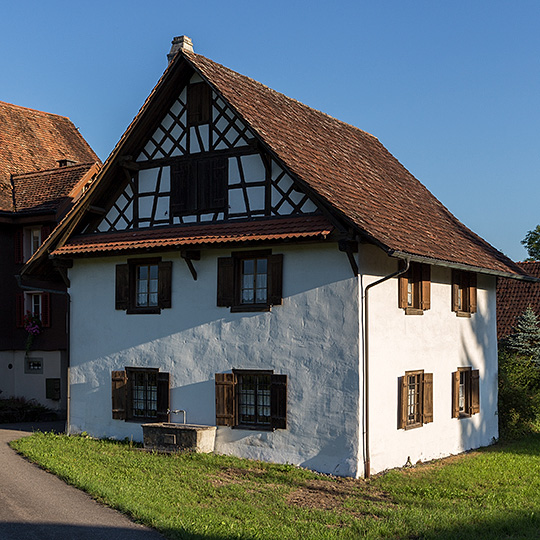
19,246
19,310
163,390
119,395
45,310
122,286
278,401
427,391
275,279
45,232
225,282
164,284
225,399
183,188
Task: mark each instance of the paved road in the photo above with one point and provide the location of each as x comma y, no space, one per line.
35,505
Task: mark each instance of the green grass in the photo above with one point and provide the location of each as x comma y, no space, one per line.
493,493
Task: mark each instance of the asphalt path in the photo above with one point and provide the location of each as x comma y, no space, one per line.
36,505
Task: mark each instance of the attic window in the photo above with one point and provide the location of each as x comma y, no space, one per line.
198,104
65,162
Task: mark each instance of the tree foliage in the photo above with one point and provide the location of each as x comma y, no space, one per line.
532,244
525,341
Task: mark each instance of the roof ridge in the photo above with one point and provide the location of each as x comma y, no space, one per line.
33,110
53,170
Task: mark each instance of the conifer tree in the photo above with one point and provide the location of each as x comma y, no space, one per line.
525,341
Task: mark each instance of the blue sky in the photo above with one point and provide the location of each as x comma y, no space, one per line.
452,89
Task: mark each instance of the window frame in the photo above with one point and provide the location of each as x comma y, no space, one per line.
25,304
424,403
464,293
229,286
122,394
416,283
471,389
126,285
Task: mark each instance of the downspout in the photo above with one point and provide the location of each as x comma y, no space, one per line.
68,321
367,458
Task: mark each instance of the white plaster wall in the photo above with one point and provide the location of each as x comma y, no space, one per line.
438,342
312,337
14,382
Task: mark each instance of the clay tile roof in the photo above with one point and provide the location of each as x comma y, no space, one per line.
31,141
294,228
354,172
513,298
46,191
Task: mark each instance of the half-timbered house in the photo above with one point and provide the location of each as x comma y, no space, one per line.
263,267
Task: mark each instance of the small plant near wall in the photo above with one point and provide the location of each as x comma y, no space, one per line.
32,324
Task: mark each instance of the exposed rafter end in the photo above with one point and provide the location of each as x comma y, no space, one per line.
189,257
350,247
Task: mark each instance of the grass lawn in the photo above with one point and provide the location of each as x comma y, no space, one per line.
492,493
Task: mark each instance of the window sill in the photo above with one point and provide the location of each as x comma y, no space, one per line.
143,311
465,314
254,427
413,426
250,307
413,311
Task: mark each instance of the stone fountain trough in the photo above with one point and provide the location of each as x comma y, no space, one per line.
171,437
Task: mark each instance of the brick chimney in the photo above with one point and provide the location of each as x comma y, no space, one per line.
179,42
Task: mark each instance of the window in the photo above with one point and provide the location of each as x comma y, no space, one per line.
198,103
143,285
251,399
415,399
415,289
463,293
465,392
250,281
35,304
28,240
199,186
140,394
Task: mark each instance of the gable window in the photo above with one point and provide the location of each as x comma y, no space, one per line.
199,186
28,240
140,394
143,285
199,103
35,304
250,281
251,399
415,399
463,293
414,289
465,392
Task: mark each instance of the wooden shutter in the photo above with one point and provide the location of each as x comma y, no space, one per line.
402,402
164,284
183,188
45,232
225,282
119,395
122,286
45,310
278,401
403,282
225,399
198,103
425,287
427,396
19,246
472,292
455,394
163,401
19,310
475,391
275,280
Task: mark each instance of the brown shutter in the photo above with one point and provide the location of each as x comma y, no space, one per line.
475,391
45,232
403,282
425,287
219,184
455,394
183,188
122,286
402,402
225,399
45,310
427,395
119,386
225,282
164,284
198,102
275,279
472,292
163,390
455,290
19,310
19,246
278,401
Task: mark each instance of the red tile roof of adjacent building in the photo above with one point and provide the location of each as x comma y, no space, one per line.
47,191
513,298
280,229
32,141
